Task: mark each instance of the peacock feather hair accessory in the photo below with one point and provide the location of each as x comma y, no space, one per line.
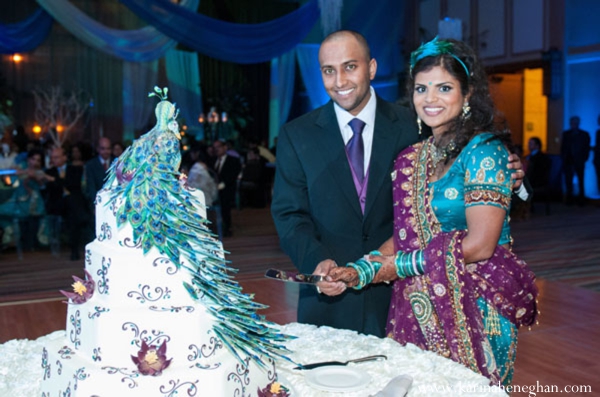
435,48
163,214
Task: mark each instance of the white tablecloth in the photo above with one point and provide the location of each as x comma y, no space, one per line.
21,372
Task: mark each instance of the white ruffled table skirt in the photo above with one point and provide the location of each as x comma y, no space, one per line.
21,371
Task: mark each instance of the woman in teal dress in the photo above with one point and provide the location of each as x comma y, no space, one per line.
26,204
459,290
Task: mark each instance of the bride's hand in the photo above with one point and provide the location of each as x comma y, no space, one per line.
347,275
387,272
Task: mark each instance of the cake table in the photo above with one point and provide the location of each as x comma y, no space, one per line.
21,371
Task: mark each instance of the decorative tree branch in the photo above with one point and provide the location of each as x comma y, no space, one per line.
55,107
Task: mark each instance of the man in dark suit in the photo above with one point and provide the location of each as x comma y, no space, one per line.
65,201
96,169
537,171
323,214
575,151
228,169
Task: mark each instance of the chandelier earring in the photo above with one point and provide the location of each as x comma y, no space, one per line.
466,111
419,124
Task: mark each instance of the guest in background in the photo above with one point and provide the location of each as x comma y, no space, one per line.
96,169
537,171
65,203
201,176
597,154
8,155
458,289
26,202
252,182
117,149
228,170
76,155
575,151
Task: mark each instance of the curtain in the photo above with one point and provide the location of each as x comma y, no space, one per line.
232,42
27,35
139,78
184,88
143,44
283,77
308,61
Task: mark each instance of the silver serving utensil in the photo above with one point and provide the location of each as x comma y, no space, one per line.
293,277
356,360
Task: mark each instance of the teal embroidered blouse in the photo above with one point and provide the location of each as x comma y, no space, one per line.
478,176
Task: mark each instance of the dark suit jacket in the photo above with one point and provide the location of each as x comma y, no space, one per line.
57,203
575,147
317,212
228,175
538,169
94,178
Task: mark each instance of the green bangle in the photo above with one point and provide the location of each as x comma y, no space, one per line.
409,264
366,272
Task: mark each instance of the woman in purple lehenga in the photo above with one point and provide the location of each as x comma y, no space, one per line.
459,290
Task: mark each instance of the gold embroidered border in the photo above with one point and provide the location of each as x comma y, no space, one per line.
487,196
465,348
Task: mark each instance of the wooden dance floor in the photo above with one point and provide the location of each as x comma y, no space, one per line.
560,352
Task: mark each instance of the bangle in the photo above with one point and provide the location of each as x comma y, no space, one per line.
409,264
366,271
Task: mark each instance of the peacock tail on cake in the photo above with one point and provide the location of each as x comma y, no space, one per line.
162,213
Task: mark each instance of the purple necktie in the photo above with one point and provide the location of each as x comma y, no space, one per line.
356,149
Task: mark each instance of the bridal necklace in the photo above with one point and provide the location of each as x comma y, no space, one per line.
439,155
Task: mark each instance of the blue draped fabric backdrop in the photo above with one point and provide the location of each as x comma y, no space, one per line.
283,78
26,35
145,44
183,74
232,42
138,80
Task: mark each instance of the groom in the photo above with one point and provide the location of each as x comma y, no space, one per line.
326,211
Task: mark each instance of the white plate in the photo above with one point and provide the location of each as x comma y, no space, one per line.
337,378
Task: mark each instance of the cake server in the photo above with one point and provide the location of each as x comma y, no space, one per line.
293,277
356,360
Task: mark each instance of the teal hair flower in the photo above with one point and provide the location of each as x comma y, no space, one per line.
434,48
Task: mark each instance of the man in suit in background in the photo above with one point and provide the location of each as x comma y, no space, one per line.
65,201
228,169
96,169
324,211
575,151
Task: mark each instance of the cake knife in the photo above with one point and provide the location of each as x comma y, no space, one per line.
293,277
356,360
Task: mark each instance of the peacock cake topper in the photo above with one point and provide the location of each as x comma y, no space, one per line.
163,214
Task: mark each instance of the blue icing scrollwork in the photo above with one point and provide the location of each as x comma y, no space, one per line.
96,356
241,377
129,377
173,309
76,331
46,364
205,351
176,385
146,295
154,337
97,311
79,375
66,352
103,282
105,232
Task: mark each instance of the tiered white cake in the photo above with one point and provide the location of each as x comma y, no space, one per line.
141,298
